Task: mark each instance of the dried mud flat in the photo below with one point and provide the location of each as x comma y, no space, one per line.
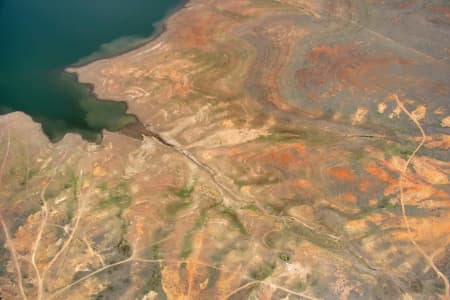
287,149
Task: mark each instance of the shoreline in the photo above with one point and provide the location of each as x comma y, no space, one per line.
160,29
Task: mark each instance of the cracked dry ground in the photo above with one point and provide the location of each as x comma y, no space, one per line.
275,159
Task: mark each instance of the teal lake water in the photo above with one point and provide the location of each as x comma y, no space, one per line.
40,38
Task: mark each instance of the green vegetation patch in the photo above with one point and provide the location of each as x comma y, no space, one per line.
174,208
159,235
394,149
262,271
124,248
359,154
385,204
299,286
257,181
213,276
22,174
276,138
154,281
234,218
71,181
103,186
308,135
318,239
284,256
373,230
251,207
185,192
119,195
186,248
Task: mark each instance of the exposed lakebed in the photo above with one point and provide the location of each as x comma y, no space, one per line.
39,39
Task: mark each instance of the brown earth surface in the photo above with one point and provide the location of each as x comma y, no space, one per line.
287,149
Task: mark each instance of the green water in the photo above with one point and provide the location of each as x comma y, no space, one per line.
40,38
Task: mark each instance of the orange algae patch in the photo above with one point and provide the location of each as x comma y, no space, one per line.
99,172
341,173
284,157
427,230
284,154
365,185
346,65
378,172
349,197
303,183
441,9
299,147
